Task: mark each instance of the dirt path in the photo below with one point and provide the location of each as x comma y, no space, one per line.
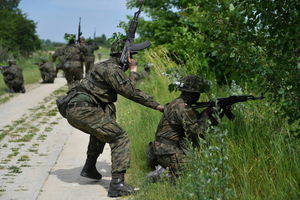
41,154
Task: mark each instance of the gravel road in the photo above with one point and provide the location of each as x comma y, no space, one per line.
41,154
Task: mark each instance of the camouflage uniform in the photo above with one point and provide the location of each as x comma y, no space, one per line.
89,59
13,77
180,122
143,74
47,72
58,54
93,111
73,63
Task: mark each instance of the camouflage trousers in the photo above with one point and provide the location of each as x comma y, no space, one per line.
102,126
169,156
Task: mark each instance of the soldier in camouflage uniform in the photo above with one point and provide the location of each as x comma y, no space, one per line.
73,55
47,71
179,122
144,73
58,55
92,110
13,77
89,59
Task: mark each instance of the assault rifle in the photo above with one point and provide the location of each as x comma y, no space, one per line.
225,102
79,31
129,45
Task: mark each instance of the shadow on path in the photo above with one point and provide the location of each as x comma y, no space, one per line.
73,175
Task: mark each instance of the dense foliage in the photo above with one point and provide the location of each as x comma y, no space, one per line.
253,157
17,33
255,43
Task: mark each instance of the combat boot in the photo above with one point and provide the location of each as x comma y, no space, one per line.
118,187
89,169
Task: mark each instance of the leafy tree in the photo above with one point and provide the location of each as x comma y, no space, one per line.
9,4
17,33
253,42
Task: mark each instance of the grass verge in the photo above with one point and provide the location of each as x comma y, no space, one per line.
258,157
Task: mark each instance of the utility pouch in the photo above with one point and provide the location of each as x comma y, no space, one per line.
62,102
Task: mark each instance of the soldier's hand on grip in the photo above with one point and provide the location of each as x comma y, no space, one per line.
132,64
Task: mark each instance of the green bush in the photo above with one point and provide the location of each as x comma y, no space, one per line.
252,157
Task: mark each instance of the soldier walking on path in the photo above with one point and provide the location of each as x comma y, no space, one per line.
91,109
13,77
89,58
73,55
58,55
47,71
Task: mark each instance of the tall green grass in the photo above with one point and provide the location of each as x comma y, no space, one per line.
31,71
251,157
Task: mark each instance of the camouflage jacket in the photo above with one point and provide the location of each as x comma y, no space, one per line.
71,52
90,50
13,75
106,80
47,67
179,121
58,54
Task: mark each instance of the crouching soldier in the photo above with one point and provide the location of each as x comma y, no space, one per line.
47,70
180,122
90,108
13,77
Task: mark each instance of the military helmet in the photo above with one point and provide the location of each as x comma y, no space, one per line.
70,37
193,83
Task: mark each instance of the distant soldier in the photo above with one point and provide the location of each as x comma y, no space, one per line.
89,59
47,71
13,77
180,122
73,55
147,70
58,55
143,74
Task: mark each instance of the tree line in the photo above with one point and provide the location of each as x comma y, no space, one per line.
254,43
17,33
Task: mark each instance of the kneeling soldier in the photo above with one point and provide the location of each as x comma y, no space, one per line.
178,123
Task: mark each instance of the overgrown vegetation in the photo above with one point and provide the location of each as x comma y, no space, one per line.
254,43
17,34
253,157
